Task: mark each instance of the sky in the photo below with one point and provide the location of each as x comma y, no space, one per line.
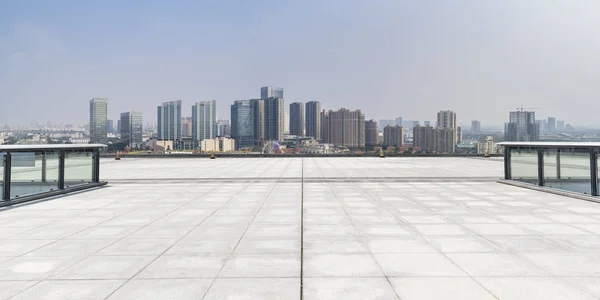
389,58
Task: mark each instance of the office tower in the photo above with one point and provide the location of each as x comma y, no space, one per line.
271,92
98,117
204,121
131,129
385,122
551,124
110,126
475,126
398,121
274,119
186,127
371,133
243,123
393,136
286,123
297,119
458,135
223,128
560,125
119,126
169,121
521,127
343,127
313,119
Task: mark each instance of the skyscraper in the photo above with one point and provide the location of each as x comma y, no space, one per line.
274,119
297,119
446,119
131,129
429,139
169,120
371,133
313,119
186,127
243,121
343,127
398,121
393,136
560,125
271,92
521,127
475,126
98,117
110,127
204,121
551,124
223,128
386,122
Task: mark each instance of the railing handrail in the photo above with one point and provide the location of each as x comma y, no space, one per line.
49,147
582,145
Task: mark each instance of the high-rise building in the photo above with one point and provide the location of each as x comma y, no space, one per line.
119,126
446,119
110,127
343,127
271,92
297,119
131,129
371,133
274,119
169,121
286,123
521,127
243,122
429,139
475,126
551,124
223,128
98,117
204,121
313,119
459,135
186,127
398,121
393,136
560,125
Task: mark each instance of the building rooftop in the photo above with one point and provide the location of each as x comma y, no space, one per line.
323,228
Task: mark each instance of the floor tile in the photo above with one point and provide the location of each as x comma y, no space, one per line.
129,246
184,266
71,290
348,289
34,268
106,267
151,289
439,288
262,265
9,289
495,264
194,245
254,288
531,288
567,264
340,265
427,264
258,246
20,247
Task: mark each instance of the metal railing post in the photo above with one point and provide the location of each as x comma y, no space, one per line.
541,178
507,162
96,166
61,170
44,167
558,163
7,164
594,171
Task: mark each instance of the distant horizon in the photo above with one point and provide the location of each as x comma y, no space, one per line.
388,58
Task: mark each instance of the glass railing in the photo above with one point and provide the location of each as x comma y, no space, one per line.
565,166
30,172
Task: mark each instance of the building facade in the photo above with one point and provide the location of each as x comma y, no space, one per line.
271,92
98,120
220,144
475,126
274,119
343,127
371,133
446,119
204,121
521,127
429,139
312,115
297,118
186,127
169,121
131,129
223,128
393,136
243,122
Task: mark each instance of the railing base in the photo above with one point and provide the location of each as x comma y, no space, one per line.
51,193
550,190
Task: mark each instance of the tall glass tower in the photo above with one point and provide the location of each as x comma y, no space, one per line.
204,121
271,92
169,121
98,118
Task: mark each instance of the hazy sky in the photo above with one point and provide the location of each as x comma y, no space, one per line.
388,58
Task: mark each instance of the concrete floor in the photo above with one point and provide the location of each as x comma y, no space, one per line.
436,228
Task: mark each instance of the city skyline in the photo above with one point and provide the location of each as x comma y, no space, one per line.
497,58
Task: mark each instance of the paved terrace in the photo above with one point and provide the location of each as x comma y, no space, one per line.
323,228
